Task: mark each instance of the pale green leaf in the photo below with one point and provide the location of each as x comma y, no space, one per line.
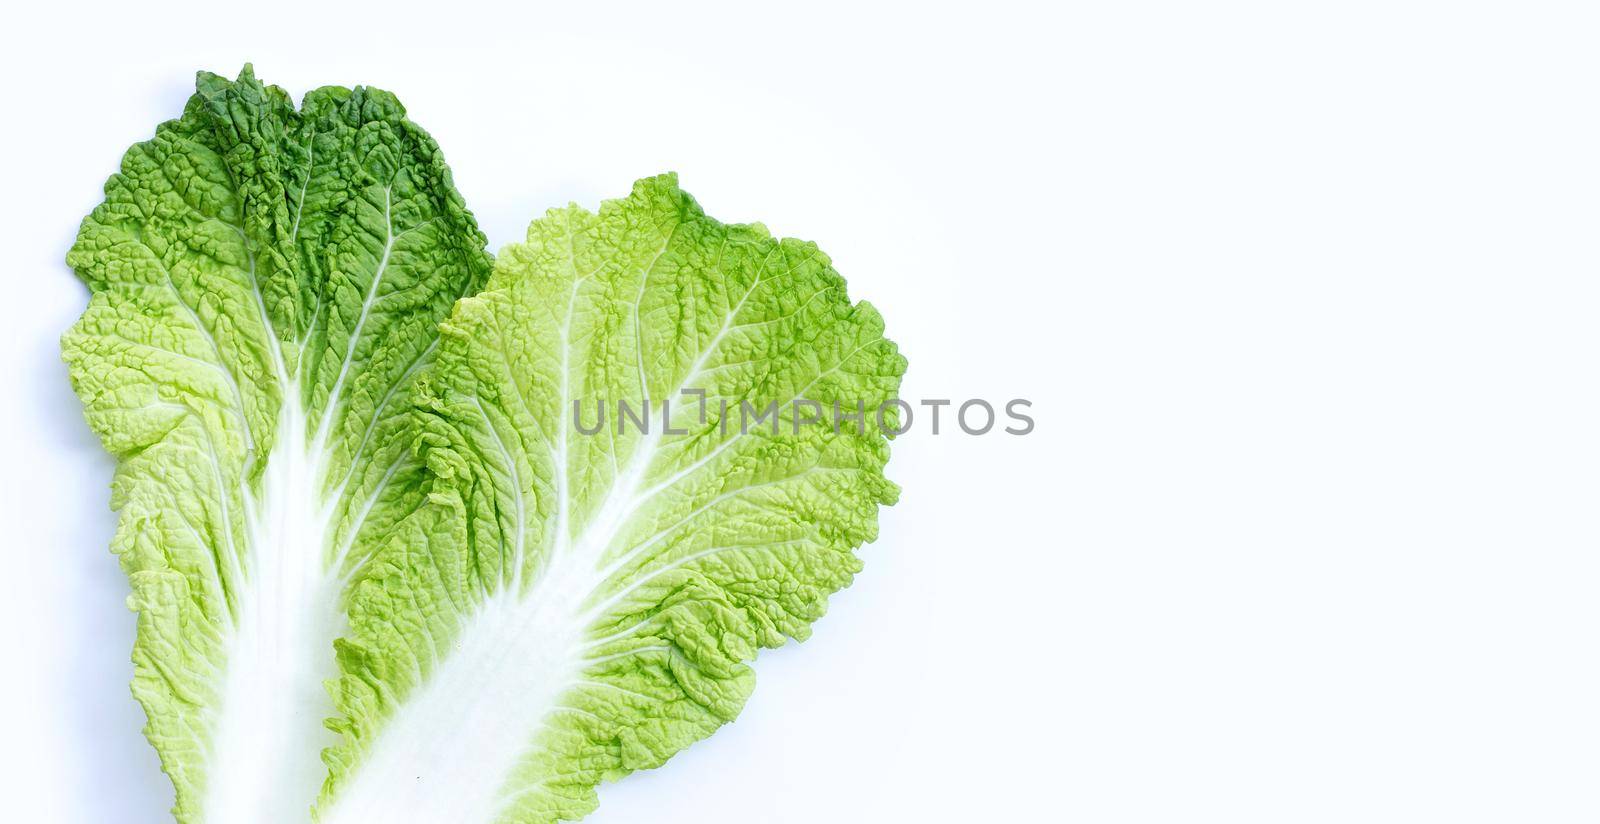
569,608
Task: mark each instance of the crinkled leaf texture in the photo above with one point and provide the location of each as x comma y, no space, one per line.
568,608
266,284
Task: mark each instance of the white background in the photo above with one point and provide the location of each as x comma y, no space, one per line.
1305,296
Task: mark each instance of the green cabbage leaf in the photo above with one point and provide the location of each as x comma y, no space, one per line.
572,607
266,283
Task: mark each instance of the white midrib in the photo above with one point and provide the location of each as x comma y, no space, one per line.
447,754
264,765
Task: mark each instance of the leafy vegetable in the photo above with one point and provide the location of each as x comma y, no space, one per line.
266,284
314,445
581,606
